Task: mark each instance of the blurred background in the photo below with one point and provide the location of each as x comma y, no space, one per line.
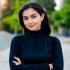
59,19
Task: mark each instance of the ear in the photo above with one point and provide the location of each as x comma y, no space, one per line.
42,16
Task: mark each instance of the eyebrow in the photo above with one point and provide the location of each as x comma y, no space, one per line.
30,15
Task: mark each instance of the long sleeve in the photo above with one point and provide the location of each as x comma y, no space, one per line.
42,66
15,51
57,55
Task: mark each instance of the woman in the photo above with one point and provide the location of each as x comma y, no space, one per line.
36,49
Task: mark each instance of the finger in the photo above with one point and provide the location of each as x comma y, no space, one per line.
51,66
16,63
18,59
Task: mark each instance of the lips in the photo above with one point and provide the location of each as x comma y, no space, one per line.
32,25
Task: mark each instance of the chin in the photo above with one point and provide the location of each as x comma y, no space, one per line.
34,29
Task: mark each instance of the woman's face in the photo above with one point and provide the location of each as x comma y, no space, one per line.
32,19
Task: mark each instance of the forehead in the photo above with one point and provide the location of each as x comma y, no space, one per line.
29,11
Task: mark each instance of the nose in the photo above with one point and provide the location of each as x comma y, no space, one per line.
29,21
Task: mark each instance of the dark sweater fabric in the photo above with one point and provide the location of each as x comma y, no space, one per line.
36,51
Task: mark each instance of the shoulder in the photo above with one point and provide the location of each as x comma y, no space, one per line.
54,39
17,38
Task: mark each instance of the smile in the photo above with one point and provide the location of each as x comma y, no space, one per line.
32,25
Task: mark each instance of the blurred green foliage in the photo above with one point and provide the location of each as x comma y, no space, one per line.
11,20
61,18
47,4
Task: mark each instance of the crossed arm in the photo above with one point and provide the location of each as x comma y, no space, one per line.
16,63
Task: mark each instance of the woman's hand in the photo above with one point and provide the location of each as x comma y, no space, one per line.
51,66
17,61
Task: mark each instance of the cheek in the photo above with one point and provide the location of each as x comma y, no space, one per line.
26,25
37,20
39,24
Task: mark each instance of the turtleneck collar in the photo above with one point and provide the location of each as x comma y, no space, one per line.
36,34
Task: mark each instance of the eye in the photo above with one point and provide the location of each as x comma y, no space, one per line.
25,18
33,16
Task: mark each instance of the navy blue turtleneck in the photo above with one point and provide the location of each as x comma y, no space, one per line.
36,51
